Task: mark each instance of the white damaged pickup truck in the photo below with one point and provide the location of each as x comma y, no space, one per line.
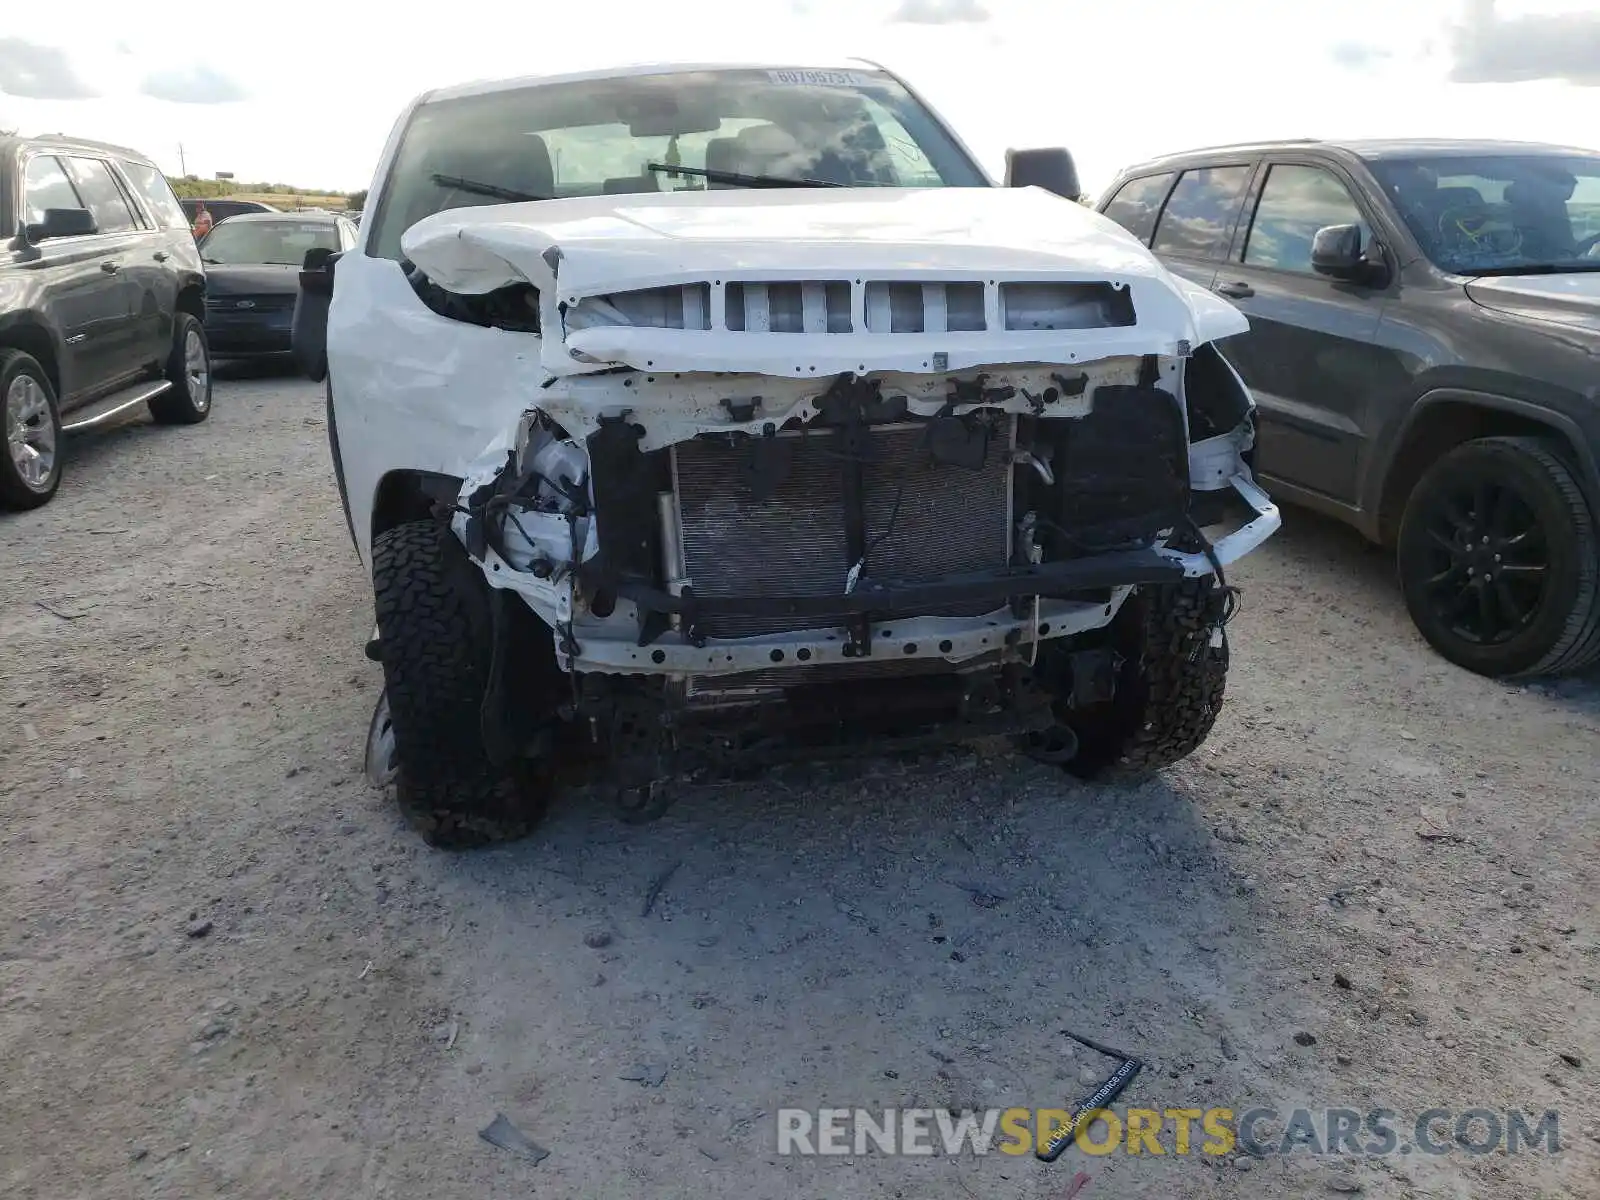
691,418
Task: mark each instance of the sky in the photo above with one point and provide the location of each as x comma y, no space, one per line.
308,95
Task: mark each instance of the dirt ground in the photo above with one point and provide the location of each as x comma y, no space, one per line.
226,968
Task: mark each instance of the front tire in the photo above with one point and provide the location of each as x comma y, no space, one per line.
436,643
1500,561
188,400
30,472
1169,686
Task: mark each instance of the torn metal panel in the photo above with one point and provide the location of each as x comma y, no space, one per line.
811,284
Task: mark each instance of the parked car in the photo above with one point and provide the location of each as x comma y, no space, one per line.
252,272
1423,345
795,462
224,207
101,303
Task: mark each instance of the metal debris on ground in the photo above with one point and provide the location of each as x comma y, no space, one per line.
1082,1114
660,881
1435,825
649,1074
56,612
981,896
502,1133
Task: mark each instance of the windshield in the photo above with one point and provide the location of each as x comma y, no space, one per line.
1500,214
276,242
595,137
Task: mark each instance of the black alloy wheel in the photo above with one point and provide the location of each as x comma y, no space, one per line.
1498,560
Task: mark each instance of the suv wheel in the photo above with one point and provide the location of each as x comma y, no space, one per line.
1169,687
188,400
1499,560
30,472
436,643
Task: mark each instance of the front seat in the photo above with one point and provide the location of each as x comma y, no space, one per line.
520,163
769,150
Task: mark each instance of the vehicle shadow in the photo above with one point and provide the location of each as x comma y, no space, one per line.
256,366
909,931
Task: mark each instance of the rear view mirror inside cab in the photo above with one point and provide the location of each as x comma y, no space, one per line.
666,117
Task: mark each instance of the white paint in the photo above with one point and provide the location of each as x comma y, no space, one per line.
419,392
613,646
577,249
1250,536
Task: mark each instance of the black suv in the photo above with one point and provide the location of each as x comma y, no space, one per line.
102,303
1424,347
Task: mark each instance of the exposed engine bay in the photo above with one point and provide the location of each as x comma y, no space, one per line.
786,444
883,553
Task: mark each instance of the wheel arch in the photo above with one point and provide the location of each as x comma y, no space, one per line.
34,338
192,299
409,494
1447,417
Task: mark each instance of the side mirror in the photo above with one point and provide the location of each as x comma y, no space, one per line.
308,337
62,222
1053,170
1337,253
316,270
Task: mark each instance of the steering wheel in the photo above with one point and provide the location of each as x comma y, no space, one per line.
1477,230
1586,247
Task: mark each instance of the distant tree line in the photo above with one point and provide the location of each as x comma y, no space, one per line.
192,187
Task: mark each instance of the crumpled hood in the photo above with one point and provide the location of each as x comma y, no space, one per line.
1571,299
989,237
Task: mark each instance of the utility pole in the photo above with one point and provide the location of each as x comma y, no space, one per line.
183,166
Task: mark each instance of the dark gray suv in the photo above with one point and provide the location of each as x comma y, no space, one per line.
1424,348
102,303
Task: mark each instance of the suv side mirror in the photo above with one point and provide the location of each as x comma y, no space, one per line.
1053,170
308,338
62,222
1336,252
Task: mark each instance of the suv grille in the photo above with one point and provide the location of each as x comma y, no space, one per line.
830,306
274,303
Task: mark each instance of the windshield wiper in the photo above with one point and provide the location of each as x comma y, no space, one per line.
738,180
215,262
493,190
1572,268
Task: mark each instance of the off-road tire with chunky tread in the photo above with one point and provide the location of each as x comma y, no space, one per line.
1563,640
436,641
1169,688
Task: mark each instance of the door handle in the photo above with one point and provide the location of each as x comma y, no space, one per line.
1237,290
110,268
161,256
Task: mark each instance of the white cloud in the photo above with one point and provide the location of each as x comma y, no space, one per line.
37,72
197,84
1491,48
1114,83
1358,56
940,12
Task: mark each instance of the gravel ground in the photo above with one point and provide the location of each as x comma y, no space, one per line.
226,969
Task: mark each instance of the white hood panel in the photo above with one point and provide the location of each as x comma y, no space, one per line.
599,246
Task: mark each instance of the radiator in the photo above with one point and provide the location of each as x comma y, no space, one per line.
949,520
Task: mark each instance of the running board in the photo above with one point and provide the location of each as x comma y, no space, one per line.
110,407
